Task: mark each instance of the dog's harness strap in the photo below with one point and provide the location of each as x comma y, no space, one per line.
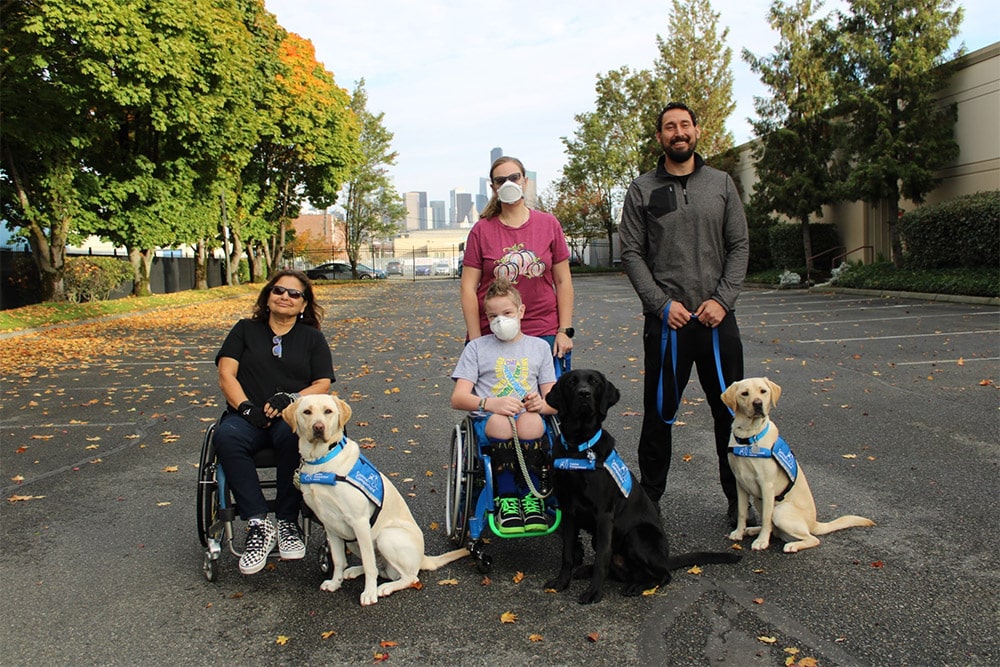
779,451
614,464
668,338
363,476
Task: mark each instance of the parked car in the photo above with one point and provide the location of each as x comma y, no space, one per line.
394,268
342,271
442,269
422,270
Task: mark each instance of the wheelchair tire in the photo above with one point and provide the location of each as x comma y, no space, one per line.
458,497
208,489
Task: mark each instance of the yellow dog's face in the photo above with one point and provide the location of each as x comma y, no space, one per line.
318,417
752,397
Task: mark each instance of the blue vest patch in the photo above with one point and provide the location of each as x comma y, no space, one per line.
613,464
363,476
779,451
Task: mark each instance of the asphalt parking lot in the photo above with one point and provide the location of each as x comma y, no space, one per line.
891,405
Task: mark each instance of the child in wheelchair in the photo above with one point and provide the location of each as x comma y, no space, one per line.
502,380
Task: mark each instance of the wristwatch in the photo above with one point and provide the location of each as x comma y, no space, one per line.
569,331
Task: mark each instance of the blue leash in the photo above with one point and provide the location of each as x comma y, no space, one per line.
669,336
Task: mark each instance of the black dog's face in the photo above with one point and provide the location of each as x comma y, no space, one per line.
583,395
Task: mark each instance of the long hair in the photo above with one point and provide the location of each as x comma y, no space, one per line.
313,313
492,209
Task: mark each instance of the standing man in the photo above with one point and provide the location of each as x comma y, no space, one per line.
685,248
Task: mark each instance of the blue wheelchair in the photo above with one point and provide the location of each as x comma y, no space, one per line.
470,509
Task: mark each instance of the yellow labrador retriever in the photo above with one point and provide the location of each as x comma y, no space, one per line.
356,503
767,472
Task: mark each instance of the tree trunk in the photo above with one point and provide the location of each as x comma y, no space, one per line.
894,232
807,246
142,264
200,266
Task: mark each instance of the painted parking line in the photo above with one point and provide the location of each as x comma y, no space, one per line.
866,321
939,362
927,335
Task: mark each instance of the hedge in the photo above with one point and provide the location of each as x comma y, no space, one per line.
961,232
787,251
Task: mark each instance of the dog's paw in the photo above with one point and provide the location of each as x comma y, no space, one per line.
761,544
635,590
558,584
753,530
736,535
331,585
369,597
591,596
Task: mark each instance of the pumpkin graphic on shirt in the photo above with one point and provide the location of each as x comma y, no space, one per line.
516,262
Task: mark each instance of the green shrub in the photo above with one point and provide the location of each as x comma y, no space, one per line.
884,276
785,241
956,233
94,278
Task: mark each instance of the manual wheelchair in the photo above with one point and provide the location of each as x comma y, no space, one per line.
217,510
470,509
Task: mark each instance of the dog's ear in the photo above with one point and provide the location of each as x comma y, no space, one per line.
775,391
555,396
611,396
729,396
288,414
345,411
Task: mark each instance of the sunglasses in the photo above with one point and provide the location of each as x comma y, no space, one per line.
513,178
276,350
280,291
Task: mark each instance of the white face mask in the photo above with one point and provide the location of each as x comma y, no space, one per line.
509,192
505,328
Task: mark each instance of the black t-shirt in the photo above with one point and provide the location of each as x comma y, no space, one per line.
305,358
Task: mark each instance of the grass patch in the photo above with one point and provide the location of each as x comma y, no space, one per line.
45,314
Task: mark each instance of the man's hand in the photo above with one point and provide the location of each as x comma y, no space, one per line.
677,315
277,403
711,313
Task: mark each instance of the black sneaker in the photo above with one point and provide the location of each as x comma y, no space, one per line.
261,540
509,518
534,513
290,544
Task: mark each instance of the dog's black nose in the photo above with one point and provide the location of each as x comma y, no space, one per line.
758,406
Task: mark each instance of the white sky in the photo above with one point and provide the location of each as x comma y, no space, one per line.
457,77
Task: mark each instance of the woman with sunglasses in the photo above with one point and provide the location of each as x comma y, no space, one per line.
265,363
528,249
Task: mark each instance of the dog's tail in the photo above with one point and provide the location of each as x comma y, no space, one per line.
846,521
434,562
702,558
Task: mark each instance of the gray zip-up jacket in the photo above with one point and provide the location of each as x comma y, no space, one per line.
687,244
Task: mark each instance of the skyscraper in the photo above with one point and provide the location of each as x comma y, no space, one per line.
497,152
438,218
416,210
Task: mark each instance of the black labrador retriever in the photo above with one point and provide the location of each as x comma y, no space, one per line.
597,493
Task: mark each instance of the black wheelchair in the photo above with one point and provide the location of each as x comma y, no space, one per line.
217,511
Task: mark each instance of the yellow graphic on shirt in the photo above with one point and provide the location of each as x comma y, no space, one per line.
517,262
513,377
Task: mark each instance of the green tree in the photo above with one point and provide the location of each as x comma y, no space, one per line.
694,68
307,147
794,154
581,212
45,130
611,145
373,208
892,61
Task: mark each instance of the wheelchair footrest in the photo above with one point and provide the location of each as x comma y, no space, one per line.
555,518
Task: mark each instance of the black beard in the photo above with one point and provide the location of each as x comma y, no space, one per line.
681,156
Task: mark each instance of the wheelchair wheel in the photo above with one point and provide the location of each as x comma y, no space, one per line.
208,489
458,498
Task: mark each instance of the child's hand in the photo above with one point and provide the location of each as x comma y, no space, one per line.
508,406
533,402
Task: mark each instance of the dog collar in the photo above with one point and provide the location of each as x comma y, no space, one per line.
587,445
753,438
336,449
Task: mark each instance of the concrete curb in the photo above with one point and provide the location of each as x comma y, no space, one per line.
925,296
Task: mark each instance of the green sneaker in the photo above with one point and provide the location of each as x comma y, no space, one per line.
508,517
534,514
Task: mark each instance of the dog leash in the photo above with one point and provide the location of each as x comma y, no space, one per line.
668,337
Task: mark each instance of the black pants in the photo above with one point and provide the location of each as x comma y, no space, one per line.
694,347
